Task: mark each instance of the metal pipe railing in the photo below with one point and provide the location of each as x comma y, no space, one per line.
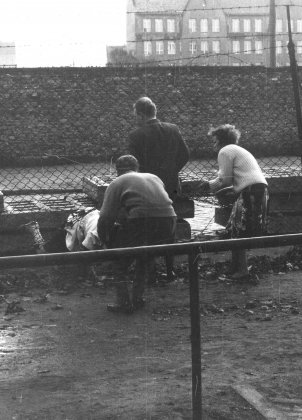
192,249
154,250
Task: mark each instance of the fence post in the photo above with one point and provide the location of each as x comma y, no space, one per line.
295,76
272,33
195,334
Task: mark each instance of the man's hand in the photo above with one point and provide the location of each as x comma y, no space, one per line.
203,187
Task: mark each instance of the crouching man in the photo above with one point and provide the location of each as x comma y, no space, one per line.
136,211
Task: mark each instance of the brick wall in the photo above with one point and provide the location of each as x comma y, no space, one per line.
86,113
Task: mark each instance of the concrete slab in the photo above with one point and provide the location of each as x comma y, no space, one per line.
260,403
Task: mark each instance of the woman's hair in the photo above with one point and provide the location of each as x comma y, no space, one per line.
226,134
144,106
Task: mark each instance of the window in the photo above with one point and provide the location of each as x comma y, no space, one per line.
204,47
246,25
193,47
147,48
258,47
279,24
203,25
215,25
299,25
247,47
258,25
278,47
147,25
216,47
159,47
192,25
159,27
291,26
170,25
235,47
299,47
235,25
171,48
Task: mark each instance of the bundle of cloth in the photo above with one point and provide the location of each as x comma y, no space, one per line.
79,233
81,230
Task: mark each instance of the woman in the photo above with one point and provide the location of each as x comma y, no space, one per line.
239,169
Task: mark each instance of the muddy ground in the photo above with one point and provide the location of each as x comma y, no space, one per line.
63,356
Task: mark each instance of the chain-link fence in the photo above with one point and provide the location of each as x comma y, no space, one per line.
60,125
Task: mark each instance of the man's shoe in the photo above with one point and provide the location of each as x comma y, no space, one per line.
125,309
240,276
138,303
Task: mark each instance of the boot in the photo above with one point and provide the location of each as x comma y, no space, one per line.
150,271
239,260
123,304
142,269
138,303
169,267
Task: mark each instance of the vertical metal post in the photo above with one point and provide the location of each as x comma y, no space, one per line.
294,73
272,33
195,335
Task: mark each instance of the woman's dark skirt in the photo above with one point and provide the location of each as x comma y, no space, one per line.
249,213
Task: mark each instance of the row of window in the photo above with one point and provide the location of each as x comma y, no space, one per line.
246,25
203,47
160,47
256,25
245,47
281,26
159,25
205,25
237,25
213,25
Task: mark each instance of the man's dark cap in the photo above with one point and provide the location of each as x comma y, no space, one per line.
126,162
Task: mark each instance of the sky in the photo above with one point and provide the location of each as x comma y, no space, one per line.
55,33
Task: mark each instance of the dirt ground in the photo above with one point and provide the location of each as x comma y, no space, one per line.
64,357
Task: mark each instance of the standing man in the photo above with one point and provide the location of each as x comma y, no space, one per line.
136,211
158,146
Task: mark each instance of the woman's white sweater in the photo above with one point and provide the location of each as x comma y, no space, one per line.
237,168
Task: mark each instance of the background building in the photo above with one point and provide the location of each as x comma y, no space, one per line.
211,32
155,30
7,54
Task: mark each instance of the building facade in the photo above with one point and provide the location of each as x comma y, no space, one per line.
212,32
154,29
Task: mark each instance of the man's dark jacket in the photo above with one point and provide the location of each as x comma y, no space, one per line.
160,150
